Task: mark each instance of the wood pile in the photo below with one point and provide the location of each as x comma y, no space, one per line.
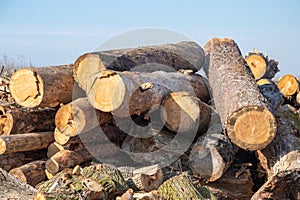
237,129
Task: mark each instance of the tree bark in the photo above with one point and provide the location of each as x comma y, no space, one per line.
243,110
13,188
31,173
121,92
74,143
281,160
213,153
271,92
22,120
67,158
146,178
182,112
168,57
179,187
288,85
79,117
261,65
43,87
25,142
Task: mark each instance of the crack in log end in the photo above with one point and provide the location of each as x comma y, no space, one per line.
252,127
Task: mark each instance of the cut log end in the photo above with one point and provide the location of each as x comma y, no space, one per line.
263,81
257,65
52,166
85,66
2,146
252,127
19,174
26,86
6,122
181,111
288,85
60,138
65,120
40,196
108,93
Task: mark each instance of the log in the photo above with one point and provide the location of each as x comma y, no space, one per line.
146,178
212,154
13,188
31,173
182,112
67,158
25,142
121,92
168,57
288,85
281,160
74,143
261,65
179,187
43,87
22,120
244,111
271,92
79,116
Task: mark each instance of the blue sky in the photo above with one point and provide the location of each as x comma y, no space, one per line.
57,32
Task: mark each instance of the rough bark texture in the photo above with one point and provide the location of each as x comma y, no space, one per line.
25,142
67,158
179,187
271,92
23,120
31,173
44,87
243,110
213,152
146,178
79,117
281,160
168,57
120,92
13,188
261,65
13,160
182,112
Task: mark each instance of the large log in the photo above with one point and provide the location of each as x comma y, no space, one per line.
31,173
261,65
212,154
44,87
182,112
22,120
25,142
281,159
13,188
243,110
121,92
79,116
168,57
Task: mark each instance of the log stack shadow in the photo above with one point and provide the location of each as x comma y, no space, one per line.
141,124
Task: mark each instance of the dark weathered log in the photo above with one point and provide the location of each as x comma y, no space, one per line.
182,112
146,178
232,185
44,87
243,110
13,188
168,57
25,142
213,152
23,120
79,117
261,65
67,158
281,159
271,92
121,92
31,173
179,187
288,85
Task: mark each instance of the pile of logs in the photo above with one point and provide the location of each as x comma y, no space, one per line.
77,131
